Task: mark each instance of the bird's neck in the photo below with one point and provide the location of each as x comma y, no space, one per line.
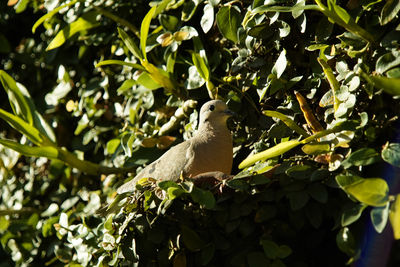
213,131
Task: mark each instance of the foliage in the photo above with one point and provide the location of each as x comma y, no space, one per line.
111,84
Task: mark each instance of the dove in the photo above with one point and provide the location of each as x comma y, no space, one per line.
210,149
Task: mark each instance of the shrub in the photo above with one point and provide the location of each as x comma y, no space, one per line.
110,85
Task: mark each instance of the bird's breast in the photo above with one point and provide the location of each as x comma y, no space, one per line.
212,154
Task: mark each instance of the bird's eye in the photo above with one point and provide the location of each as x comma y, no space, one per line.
212,107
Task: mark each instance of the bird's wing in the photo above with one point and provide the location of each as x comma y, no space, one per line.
168,167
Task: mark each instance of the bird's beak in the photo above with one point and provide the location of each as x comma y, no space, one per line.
229,112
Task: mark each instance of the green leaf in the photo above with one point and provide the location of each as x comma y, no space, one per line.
191,239
119,62
203,197
361,157
147,81
112,145
144,30
47,228
5,46
389,85
352,213
159,76
85,22
207,254
295,8
274,251
315,47
338,15
391,154
23,127
43,151
189,8
17,100
379,217
389,11
300,171
164,185
130,44
4,223
169,22
342,13
51,14
316,148
298,199
174,192
371,191
161,7
228,21
387,61
286,120
298,13
272,152
201,66
345,241
344,180
318,192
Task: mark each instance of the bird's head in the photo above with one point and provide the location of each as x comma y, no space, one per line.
215,112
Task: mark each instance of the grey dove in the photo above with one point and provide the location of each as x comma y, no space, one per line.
210,149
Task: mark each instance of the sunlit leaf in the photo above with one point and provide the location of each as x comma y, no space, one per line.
371,191
207,19
161,7
280,64
159,76
147,81
84,23
316,148
342,13
23,127
394,216
42,151
288,121
144,30
119,62
272,152
295,8
130,44
50,15
201,66
389,11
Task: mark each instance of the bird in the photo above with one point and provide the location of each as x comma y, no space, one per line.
209,150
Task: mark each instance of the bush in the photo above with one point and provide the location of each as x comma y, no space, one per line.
110,85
